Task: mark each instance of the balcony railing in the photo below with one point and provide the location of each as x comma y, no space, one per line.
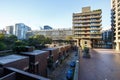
96,28
82,33
95,36
96,16
82,29
95,33
96,24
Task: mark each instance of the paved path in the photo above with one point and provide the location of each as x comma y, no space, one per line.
103,65
60,72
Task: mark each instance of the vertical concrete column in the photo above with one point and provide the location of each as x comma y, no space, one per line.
117,46
77,42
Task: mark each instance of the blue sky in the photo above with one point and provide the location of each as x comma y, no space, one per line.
55,13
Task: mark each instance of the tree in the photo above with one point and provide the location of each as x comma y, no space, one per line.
38,39
48,40
10,39
2,37
2,46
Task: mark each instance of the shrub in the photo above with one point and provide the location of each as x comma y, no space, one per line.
2,46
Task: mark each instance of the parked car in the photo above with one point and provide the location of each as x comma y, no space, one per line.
69,74
72,64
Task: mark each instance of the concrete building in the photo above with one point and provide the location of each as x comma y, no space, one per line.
115,23
9,29
29,34
107,38
55,34
87,27
21,30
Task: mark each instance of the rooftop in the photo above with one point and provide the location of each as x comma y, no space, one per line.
49,49
10,58
35,52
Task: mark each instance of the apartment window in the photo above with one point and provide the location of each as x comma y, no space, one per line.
118,37
118,0
118,24
118,28
119,9
118,33
85,42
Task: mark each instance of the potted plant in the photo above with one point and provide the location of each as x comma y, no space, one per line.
86,53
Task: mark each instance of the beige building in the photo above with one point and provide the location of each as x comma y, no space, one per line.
55,34
115,23
87,27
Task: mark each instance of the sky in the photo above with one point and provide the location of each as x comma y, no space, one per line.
55,13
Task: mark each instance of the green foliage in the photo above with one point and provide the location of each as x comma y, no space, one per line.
20,43
86,49
2,46
86,53
11,41
11,38
2,37
48,40
97,10
38,39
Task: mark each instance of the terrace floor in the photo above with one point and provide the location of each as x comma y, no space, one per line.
104,64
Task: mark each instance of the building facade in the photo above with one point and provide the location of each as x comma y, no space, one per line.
87,27
46,27
3,31
55,34
9,29
21,30
107,38
115,23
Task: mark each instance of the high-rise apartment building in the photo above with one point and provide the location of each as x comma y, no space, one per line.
115,23
21,30
87,27
9,29
107,38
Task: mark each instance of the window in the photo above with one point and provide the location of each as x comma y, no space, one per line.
85,42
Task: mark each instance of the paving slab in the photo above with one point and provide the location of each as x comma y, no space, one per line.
104,64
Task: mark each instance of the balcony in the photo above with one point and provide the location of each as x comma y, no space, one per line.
82,29
96,37
82,36
81,33
96,20
78,26
96,28
96,16
95,33
96,24
81,21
